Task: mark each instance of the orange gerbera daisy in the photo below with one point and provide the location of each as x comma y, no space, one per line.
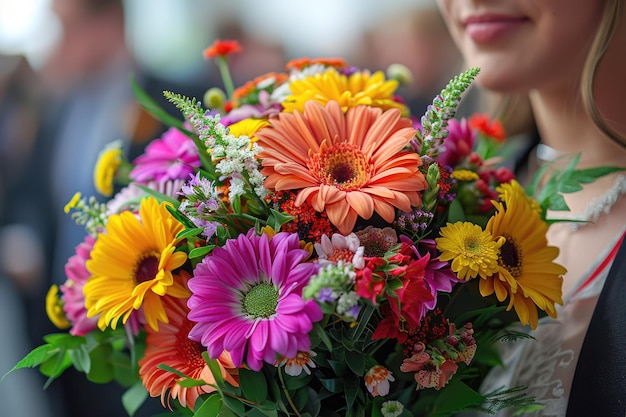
171,346
347,165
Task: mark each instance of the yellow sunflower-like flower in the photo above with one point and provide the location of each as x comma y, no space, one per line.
347,165
526,273
54,308
131,266
506,190
360,88
109,161
472,250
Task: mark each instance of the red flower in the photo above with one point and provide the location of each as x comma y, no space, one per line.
222,48
491,129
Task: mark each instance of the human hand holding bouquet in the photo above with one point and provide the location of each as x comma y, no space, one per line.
306,247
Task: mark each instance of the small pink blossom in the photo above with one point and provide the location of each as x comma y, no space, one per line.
295,366
377,380
72,290
340,247
173,156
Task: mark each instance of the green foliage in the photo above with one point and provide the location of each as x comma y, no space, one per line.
564,181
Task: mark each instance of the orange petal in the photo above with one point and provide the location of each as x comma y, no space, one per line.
361,202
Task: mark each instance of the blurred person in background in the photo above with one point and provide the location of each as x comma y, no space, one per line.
418,39
86,100
21,264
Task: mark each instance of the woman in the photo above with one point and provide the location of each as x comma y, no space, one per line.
569,59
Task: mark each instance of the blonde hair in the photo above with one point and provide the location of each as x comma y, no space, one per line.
610,21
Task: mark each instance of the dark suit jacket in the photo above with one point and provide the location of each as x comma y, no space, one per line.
599,386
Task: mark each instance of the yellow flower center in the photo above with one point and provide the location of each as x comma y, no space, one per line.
343,165
511,257
146,268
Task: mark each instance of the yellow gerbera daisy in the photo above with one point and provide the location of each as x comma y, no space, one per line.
109,161
360,88
248,127
526,273
472,250
508,189
131,266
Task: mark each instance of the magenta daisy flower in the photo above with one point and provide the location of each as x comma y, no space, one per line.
73,297
173,156
247,299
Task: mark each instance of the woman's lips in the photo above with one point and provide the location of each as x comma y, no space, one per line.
490,28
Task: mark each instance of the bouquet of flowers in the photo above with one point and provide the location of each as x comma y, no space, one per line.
305,246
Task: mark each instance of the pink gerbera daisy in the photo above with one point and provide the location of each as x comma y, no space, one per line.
73,297
247,299
173,156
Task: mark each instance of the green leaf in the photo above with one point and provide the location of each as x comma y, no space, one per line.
356,362
101,370
187,381
351,390
184,220
339,367
277,219
235,405
455,397
215,368
321,333
65,340
295,382
332,384
80,359
211,407
133,398
35,358
56,364
200,252
364,320
153,107
159,196
253,385
184,234
456,212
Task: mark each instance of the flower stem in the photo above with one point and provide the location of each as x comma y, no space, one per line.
222,64
284,387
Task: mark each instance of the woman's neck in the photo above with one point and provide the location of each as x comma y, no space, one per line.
565,126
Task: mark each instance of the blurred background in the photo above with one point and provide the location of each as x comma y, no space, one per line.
65,93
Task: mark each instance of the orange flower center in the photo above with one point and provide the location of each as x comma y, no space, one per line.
146,268
343,166
188,350
511,257
345,255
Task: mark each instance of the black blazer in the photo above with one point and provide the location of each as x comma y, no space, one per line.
599,386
